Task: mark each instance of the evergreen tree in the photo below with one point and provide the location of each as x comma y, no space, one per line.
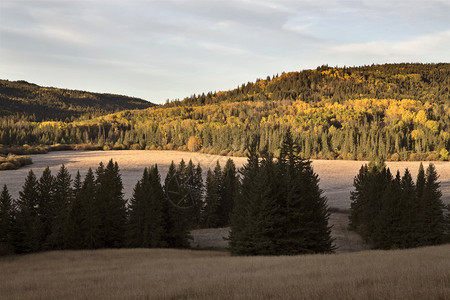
211,217
366,199
229,185
27,228
73,238
6,222
420,182
90,210
388,219
306,210
112,210
145,226
63,197
280,209
432,217
242,239
176,233
46,205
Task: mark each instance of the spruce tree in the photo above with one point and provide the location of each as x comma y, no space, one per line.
388,218
176,232
90,210
112,209
211,217
145,226
420,182
229,186
73,238
432,217
46,205
27,228
63,197
242,238
406,236
6,222
306,210
280,208
366,199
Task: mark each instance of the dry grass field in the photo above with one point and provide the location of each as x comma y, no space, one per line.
336,177
422,273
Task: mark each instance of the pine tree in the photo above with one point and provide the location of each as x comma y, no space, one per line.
387,221
73,238
280,209
46,204
366,199
176,233
27,228
145,226
63,197
90,210
112,210
229,185
432,209
242,239
306,210
6,222
420,182
211,217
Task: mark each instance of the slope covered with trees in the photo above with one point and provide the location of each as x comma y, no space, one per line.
398,112
37,103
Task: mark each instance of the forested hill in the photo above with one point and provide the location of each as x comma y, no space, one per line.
423,82
398,112
43,103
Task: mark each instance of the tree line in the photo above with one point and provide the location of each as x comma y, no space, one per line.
394,212
273,207
56,212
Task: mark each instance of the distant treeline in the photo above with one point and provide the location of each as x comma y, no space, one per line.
397,112
423,82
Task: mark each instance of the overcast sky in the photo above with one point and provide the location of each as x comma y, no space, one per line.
159,50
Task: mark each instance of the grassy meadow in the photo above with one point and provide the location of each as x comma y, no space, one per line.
422,273
336,176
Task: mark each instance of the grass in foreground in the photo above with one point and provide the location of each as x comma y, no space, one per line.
422,273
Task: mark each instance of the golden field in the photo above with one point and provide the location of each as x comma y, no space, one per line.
336,176
422,273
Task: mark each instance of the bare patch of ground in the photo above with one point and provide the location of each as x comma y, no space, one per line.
344,239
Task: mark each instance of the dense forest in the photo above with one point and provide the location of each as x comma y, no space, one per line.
36,103
394,111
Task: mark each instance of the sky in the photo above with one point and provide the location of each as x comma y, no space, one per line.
158,50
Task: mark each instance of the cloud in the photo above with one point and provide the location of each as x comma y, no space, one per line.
436,45
174,48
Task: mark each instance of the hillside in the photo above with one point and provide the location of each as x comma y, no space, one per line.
421,273
397,111
45,103
423,82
